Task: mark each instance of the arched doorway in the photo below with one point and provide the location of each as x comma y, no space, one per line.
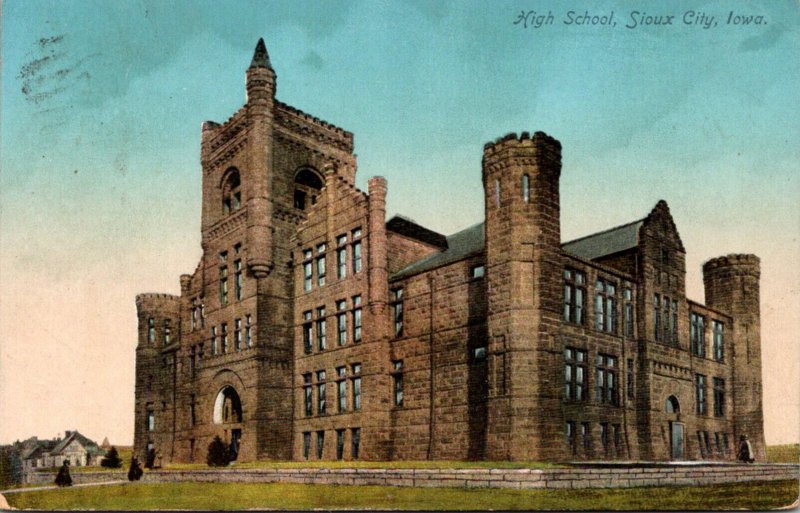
676,429
228,411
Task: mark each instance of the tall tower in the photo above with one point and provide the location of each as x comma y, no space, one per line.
523,260
732,285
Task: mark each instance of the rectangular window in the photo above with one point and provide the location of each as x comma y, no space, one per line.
321,265
202,315
674,323
629,380
575,361
308,401
700,444
193,317
341,256
657,316
479,354
248,331
355,442
321,328
306,444
341,389
617,440
628,296
356,250
719,340
339,444
192,410
167,332
574,294
341,322
321,392
397,379
356,368
192,361
719,397
237,334
237,277
667,334
151,420
725,444
569,433
223,285
605,306
224,336
586,437
356,319
307,270
698,334
718,442
606,379
700,394
214,344
307,329
397,311
320,444
604,437
477,271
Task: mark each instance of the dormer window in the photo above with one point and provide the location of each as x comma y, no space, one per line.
307,185
231,191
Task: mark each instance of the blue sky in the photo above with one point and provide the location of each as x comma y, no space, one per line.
100,184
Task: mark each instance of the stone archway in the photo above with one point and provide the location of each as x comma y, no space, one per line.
227,406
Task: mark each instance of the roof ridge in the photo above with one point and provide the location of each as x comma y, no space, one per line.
625,225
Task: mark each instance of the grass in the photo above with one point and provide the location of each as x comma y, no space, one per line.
240,496
789,453
369,464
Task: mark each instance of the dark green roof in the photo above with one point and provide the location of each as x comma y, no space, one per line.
607,242
460,245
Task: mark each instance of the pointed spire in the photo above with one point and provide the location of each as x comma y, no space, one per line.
260,56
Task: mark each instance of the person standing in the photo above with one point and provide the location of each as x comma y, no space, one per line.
745,454
63,478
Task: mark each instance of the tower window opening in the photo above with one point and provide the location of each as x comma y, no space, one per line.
307,185
231,192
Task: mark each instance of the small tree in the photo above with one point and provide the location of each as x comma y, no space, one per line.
218,453
111,459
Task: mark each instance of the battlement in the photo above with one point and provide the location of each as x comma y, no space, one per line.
523,140
741,263
155,302
300,122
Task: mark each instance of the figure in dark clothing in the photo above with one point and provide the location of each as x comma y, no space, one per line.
151,459
63,478
135,472
745,454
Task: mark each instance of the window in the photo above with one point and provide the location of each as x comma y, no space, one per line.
321,392
307,329
356,319
667,333
526,189
307,270
606,379
307,184
320,444
629,380
341,322
628,296
248,332
192,361
306,444
356,250
575,374
341,256
355,442
718,442
719,341
617,439
477,271
700,394
397,379
223,285
307,395
496,192
725,442
237,279
224,336
704,443
151,420
231,193
237,334
604,437
674,323
167,332
151,330
321,265
202,315
356,368
341,389
569,433
339,444
672,405
192,410
719,397
586,437
479,354
698,334
397,311
574,293
193,317
605,306
657,316
214,346
321,328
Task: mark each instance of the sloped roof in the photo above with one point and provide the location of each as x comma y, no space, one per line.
608,242
409,228
459,246
87,444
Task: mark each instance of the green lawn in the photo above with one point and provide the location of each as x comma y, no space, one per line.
369,464
789,453
240,496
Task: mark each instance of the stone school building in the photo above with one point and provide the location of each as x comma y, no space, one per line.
313,328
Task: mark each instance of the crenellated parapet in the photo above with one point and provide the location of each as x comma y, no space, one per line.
300,123
159,319
735,263
522,149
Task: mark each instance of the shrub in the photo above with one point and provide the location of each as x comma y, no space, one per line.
112,459
218,453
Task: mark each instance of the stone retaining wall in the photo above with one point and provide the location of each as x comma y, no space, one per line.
579,477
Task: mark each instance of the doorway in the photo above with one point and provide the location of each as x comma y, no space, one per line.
677,440
236,436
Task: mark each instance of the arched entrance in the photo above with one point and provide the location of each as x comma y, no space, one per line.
307,184
676,429
228,411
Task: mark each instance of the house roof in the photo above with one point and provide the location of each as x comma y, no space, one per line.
607,242
459,246
409,228
90,446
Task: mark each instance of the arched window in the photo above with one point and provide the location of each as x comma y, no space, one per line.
307,184
227,407
231,191
497,192
526,189
672,405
